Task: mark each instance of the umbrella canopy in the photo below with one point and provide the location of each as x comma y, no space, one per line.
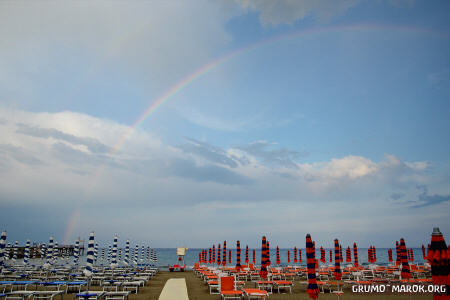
264,258
405,272
16,246
126,261
439,260
49,254
337,261
238,256
278,256
355,255
390,255
348,255
27,253
218,255
224,260
210,256
246,254
114,263
2,249
295,255
90,256
300,260
312,289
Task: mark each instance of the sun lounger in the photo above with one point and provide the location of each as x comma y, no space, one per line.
228,289
255,294
47,295
21,295
90,295
123,295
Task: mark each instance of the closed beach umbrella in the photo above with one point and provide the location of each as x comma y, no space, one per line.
289,256
254,256
218,255
95,252
412,255
27,253
246,255
390,255
269,262
348,255
295,255
439,260
89,259
214,254
2,249
369,254
76,252
55,252
374,254
49,253
210,256
224,259
136,254
312,289
322,254
264,259
114,263
331,255
229,257
238,256
355,255
300,259
16,247
423,252
337,261
126,261
278,256
341,256
405,272
397,253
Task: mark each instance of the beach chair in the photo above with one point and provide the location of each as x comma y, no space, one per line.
117,295
255,294
228,289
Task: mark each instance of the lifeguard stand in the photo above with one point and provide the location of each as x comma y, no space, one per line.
180,266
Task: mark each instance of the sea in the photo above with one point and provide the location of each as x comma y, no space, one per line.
168,256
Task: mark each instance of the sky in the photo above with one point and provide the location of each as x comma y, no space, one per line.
186,123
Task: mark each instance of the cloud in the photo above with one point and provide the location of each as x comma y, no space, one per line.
209,152
147,178
279,157
289,11
92,144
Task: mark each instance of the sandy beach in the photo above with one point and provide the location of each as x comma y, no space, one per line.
198,290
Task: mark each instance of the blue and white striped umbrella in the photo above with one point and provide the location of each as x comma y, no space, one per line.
16,247
114,254
2,249
90,256
120,255
142,253
136,253
109,254
43,251
76,252
127,253
49,257
55,252
95,252
26,256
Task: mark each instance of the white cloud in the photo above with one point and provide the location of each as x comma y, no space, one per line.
289,11
146,177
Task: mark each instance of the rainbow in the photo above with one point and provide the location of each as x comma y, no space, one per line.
214,64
